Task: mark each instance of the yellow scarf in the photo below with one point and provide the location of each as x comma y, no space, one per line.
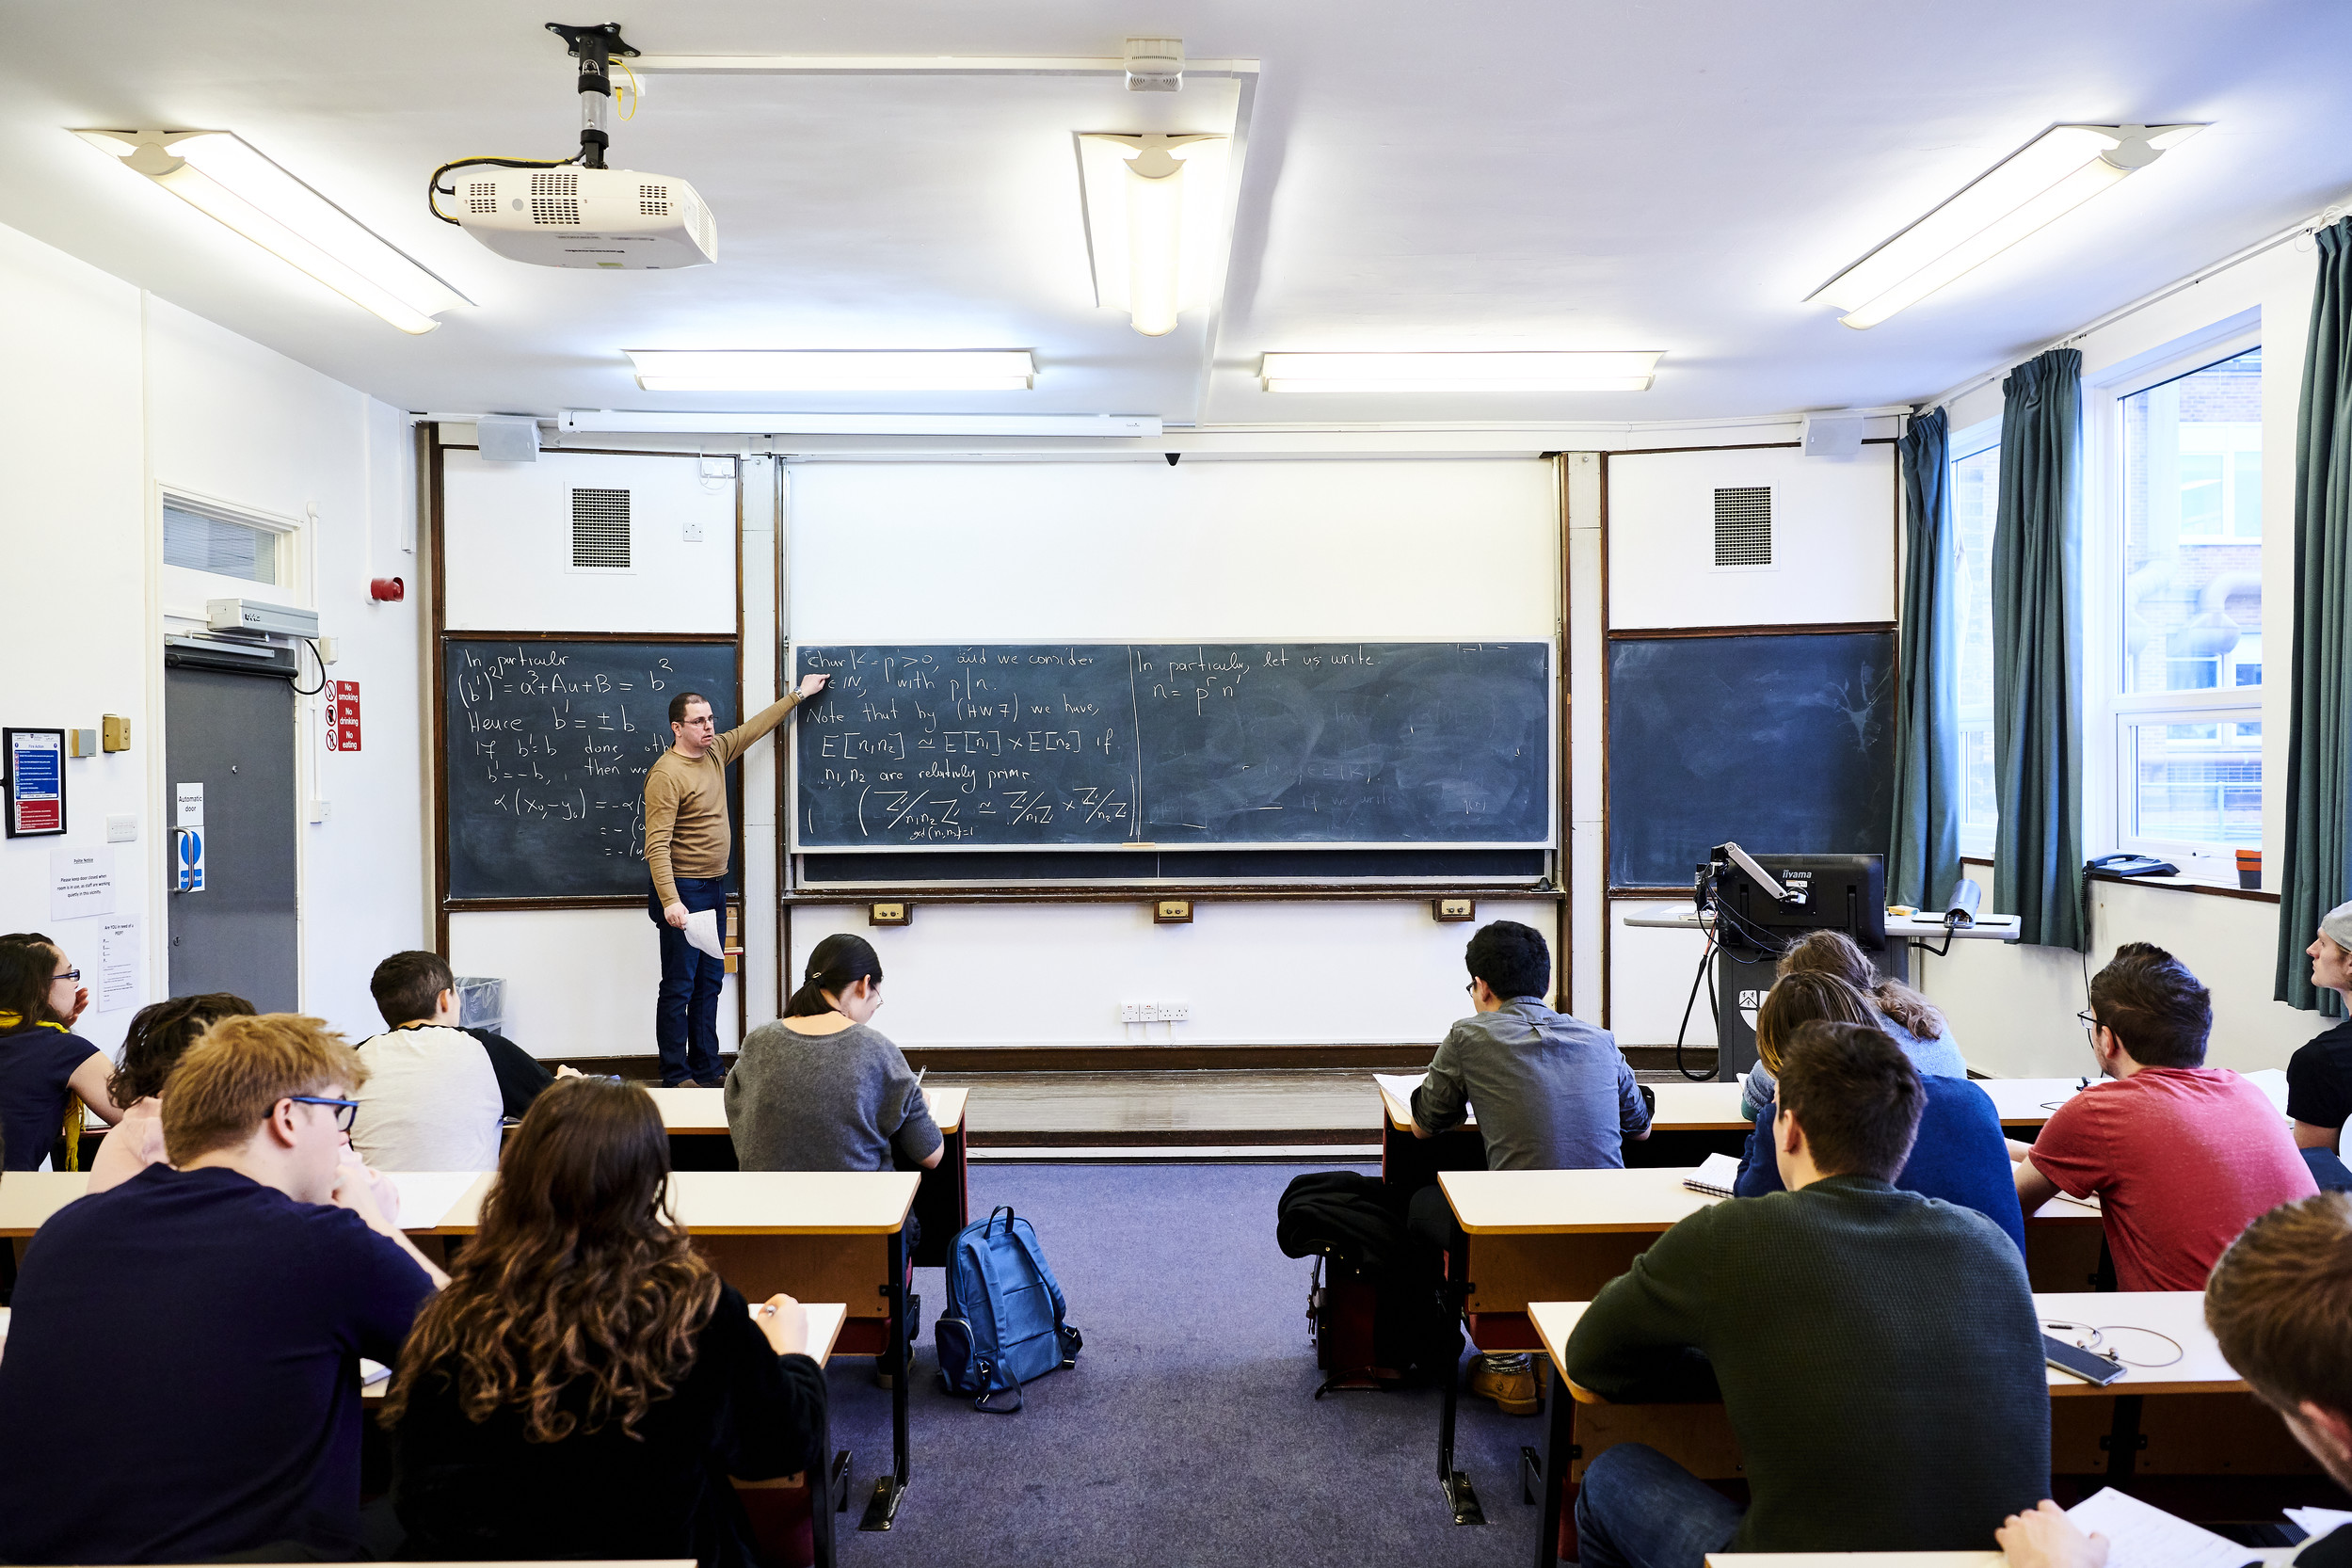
12,1021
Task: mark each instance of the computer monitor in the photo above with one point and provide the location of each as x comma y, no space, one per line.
1841,892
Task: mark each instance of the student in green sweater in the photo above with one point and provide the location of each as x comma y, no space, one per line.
1877,1352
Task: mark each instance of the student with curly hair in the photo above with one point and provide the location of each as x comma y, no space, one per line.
159,1035
587,1383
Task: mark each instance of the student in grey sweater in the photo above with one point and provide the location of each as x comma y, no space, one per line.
1877,1352
821,1089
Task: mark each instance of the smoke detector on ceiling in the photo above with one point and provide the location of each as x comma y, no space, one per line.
575,211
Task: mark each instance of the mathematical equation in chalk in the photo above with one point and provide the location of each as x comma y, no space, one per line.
545,751
940,746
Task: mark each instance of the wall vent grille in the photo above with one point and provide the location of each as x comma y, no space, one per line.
1743,526
600,530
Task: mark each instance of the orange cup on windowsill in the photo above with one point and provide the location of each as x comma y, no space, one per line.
2250,869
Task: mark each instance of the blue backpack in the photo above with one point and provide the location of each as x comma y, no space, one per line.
1002,1324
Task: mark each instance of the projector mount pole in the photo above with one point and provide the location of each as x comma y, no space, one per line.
594,47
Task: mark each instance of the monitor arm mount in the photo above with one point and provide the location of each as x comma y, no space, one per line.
594,47
1762,878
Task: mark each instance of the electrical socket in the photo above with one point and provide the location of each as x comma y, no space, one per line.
693,531
1175,1012
1130,1012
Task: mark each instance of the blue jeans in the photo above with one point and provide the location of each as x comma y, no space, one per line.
1638,1509
686,1017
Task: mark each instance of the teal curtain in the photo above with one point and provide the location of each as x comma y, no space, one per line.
2036,651
2318,851
1923,848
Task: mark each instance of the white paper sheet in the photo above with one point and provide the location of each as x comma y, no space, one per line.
1402,1084
2141,1535
702,930
2316,1522
1716,1176
427,1195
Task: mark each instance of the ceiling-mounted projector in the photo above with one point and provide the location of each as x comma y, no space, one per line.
574,212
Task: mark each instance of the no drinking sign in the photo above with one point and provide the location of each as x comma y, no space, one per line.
342,723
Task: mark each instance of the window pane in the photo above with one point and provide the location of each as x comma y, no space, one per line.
203,543
2198,783
2192,525
1976,495
1977,807
2245,501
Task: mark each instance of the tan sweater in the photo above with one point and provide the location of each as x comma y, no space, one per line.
686,830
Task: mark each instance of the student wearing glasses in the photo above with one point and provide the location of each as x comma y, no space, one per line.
226,1299
42,1059
2182,1156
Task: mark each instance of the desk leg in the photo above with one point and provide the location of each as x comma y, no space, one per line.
821,1493
1460,1495
882,1511
1561,1451
2123,1441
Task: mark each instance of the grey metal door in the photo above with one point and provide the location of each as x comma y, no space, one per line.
234,734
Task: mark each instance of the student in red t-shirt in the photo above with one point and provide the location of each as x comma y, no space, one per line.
2182,1156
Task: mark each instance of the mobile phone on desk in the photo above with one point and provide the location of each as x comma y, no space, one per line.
2078,1363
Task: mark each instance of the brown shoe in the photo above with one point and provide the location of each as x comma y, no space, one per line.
1509,1381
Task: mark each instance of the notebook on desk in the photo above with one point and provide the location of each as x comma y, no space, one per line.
1717,1176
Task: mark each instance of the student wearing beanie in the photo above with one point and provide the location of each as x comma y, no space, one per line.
2319,1075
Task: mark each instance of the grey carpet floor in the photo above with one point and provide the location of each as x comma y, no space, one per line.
1188,1434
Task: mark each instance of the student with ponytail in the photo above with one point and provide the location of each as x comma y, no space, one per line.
821,1089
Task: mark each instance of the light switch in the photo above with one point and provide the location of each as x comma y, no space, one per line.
889,914
122,828
1452,909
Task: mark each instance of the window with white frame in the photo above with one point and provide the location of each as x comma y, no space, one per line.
1975,456
2185,595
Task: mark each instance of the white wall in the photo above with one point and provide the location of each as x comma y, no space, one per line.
75,643
1054,974
579,981
111,397
506,531
2013,1007
1328,550
1833,539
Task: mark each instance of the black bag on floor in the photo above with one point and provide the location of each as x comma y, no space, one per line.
1378,1317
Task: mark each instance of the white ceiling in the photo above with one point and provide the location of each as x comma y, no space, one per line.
1542,174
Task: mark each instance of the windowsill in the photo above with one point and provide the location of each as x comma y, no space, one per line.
2170,883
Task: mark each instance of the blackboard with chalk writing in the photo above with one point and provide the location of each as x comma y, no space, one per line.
545,749
1781,743
1097,745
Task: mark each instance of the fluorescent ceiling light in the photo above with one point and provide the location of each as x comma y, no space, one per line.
2050,176
1573,371
667,421
834,370
1155,221
223,178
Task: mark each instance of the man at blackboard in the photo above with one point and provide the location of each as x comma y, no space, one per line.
687,843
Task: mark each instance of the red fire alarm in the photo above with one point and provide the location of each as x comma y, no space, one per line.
388,590
342,728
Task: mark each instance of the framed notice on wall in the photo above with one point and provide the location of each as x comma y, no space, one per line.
34,761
